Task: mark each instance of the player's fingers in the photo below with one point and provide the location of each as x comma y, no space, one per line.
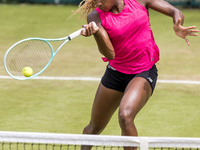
192,32
89,29
187,41
92,28
195,30
83,31
94,25
191,27
179,21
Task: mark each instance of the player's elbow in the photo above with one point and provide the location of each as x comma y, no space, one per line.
110,55
107,52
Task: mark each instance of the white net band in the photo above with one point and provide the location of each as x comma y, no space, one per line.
144,143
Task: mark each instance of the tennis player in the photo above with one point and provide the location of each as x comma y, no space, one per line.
124,37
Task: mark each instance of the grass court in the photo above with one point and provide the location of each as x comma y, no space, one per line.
59,106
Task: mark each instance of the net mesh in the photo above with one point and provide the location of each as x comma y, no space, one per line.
32,53
52,141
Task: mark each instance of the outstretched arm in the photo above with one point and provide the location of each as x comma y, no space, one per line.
178,18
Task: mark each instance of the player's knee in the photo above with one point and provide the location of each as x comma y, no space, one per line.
125,119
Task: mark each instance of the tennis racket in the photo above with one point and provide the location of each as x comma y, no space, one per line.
36,53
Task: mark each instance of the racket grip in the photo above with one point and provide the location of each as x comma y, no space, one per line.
75,34
78,32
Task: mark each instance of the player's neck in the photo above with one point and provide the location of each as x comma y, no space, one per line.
119,6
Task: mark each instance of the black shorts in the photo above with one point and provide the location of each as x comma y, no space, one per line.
115,80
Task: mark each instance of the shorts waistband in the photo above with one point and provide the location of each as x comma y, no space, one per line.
110,67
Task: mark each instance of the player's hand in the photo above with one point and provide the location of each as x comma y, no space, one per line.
89,29
184,31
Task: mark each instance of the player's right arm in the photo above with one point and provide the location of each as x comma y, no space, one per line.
101,36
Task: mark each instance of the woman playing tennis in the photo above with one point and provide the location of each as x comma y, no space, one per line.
124,37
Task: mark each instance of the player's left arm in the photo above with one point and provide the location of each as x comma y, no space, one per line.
178,18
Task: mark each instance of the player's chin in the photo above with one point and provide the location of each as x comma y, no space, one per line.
104,9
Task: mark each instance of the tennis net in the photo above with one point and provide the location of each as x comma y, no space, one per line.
56,141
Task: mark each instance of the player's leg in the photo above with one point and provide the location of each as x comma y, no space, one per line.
135,97
137,93
105,103
107,100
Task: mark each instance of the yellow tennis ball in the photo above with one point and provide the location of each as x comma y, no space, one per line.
27,71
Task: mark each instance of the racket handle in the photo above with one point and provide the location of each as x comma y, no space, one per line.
78,32
75,34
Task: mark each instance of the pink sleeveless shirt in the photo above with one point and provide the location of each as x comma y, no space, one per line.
132,38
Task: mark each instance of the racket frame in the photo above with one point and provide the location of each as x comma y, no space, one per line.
64,39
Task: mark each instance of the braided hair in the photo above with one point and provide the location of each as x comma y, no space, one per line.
85,7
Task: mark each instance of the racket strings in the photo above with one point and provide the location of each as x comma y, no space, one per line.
31,53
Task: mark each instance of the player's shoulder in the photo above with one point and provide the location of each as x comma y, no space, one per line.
143,2
93,16
93,13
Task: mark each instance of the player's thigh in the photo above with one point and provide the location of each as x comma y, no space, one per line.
135,96
105,103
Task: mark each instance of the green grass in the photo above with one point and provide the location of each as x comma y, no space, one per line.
64,106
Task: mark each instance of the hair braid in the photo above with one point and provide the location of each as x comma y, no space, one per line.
85,7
